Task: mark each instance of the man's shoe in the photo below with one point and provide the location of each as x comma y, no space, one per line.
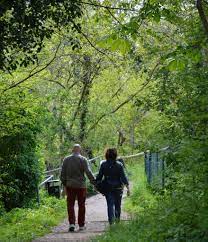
82,228
71,228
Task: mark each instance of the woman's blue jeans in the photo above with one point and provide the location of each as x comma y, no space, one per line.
113,199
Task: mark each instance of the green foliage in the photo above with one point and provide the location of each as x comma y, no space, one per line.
25,25
29,223
115,43
139,82
20,167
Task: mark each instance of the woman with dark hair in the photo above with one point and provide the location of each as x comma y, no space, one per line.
112,175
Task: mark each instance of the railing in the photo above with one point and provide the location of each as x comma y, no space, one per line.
143,153
40,185
46,180
59,168
133,156
50,177
50,171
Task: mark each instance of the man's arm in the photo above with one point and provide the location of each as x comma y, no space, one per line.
63,173
88,171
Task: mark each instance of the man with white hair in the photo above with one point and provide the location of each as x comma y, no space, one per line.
73,178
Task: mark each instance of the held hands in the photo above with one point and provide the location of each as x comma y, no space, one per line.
63,192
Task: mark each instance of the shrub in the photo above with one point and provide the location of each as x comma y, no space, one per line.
19,169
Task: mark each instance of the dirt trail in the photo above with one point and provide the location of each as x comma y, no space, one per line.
96,222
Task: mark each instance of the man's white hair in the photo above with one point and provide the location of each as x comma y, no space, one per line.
77,146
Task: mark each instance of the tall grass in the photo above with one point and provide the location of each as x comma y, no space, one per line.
141,197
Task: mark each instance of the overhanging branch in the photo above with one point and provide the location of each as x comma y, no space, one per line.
33,73
127,100
108,7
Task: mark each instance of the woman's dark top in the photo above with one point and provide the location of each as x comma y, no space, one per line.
113,173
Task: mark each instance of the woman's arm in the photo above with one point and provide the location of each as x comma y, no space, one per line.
99,177
124,180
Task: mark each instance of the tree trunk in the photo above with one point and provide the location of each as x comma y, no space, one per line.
203,17
87,82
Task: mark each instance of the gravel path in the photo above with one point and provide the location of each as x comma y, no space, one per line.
96,222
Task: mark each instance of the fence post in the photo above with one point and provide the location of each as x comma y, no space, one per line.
148,166
163,173
157,162
145,162
38,196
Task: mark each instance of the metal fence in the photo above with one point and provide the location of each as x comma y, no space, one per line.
154,164
155,168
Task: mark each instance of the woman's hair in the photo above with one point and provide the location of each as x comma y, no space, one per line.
111,154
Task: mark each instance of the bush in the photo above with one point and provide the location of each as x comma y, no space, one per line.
19,169
21,121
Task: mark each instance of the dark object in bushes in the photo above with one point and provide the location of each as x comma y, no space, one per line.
54,188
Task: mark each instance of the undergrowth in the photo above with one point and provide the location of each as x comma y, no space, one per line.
177,215
26,224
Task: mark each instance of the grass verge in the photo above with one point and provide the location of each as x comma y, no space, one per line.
141,197
26,224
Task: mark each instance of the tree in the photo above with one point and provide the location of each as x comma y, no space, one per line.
24,25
